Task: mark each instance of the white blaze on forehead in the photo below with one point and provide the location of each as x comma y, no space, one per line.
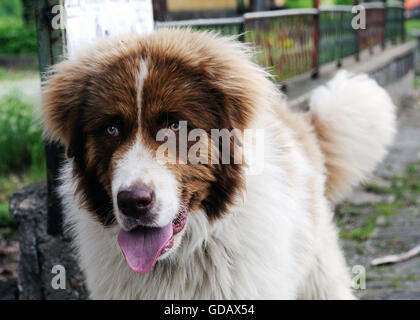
139,165
143,73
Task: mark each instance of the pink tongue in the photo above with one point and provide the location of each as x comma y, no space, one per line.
142,246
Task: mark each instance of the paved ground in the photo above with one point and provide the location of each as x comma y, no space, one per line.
383,217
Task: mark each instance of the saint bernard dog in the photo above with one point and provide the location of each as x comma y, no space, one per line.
149,228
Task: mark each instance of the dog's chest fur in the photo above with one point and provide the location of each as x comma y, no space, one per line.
262,249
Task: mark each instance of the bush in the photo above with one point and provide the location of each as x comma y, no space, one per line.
5,219
10,8
16,37
21,142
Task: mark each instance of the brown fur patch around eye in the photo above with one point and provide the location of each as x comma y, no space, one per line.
198,77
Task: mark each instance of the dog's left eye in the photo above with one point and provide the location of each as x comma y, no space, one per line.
174,126
112,131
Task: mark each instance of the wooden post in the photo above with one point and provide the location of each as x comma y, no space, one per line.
383,44
316,38
258,5
357,44
403,30
160,10
240,5
51,50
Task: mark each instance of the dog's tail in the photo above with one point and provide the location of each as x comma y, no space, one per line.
355,121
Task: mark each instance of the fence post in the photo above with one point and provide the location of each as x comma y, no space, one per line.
357,40
241,30
403,30
385,12
258,5
51,49
316,38
160,10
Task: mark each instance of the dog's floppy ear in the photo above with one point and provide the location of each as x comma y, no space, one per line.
63,96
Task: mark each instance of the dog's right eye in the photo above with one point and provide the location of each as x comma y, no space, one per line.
112,131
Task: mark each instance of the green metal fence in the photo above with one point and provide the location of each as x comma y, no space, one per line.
337,37
394,26
224,26
285,40
296,41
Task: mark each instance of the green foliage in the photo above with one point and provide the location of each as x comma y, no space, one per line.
412,24
5,219
380,210
417,82
10,8
16,37
22,157
405,190
309,3
20,140
299,4
343,2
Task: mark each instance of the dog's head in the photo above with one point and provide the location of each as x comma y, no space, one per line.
116,104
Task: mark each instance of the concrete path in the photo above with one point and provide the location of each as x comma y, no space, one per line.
383,216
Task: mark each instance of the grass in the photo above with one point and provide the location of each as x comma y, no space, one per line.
20,142
5,219
21,148
412,24
405,191
10,8
362,233
18,74
378,189
417,82
22,158
309,3
406,188
398,282
16,37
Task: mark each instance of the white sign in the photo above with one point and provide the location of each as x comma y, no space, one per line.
89,20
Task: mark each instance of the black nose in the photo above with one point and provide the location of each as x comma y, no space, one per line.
135,201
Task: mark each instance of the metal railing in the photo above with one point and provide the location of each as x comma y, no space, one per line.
374,34
296,41
394,23
337,37
291,42
284,39
224,26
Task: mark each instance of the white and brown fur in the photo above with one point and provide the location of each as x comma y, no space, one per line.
268,235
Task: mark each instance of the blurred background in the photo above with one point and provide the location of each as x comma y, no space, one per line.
284,45
22,157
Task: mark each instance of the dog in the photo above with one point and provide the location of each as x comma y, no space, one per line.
146,228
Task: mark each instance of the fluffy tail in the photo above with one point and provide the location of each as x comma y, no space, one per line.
355,121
